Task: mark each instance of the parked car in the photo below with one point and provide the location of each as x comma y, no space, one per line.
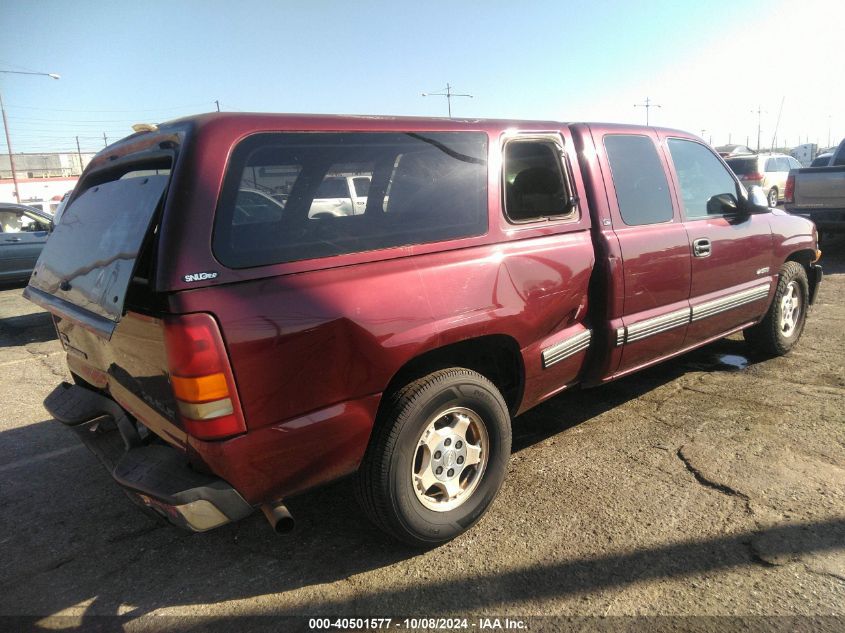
818,193
768,171
23,233
822,160
494,265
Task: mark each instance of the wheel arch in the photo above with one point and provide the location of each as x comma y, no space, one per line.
497,357
805,257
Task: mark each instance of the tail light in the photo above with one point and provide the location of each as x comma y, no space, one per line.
753,176
789,190
201,377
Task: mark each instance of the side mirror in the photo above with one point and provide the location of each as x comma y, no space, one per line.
757,202
723,204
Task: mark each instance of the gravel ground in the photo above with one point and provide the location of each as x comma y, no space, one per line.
712,485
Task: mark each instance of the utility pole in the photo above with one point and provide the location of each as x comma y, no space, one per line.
759,112
105,140
218,104
79,153
777,125
448,94
828,129
647,105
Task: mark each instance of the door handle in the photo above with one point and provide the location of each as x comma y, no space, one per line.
13,239
701,247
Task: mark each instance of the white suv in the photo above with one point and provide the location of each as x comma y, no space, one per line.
768,171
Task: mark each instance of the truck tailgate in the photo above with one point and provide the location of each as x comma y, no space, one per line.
819,188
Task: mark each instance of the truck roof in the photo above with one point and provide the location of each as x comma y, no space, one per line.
383,122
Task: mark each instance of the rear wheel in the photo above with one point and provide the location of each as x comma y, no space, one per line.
783,324
437,458
773,197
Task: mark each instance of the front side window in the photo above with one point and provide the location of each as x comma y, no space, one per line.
701,176
286,196
771,164
783,164
22,222
534,185
642,190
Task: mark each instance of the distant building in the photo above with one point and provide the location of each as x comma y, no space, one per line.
47,165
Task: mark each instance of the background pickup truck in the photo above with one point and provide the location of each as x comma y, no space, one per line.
818,193
228,356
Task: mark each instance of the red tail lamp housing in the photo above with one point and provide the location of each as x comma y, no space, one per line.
201,377
789,190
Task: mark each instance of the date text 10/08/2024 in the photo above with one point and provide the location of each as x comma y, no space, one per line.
417,623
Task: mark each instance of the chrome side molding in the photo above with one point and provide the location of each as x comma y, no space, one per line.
656,325
566,348
665,322
730,302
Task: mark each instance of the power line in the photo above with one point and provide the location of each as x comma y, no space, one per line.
183,107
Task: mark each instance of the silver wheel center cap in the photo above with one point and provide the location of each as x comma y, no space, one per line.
449,458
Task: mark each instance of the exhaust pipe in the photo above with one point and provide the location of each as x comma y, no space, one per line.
280,519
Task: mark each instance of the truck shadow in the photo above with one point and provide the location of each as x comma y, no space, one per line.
91,546
28,328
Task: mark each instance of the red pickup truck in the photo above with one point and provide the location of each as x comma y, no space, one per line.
231,348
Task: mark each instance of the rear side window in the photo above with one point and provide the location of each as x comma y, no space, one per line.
534,185
783,164
410,188
771,164
639,179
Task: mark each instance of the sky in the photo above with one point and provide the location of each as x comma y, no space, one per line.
709,64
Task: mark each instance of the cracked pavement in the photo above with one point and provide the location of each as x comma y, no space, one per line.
713,484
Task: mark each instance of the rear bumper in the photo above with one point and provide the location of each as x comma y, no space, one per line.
154,475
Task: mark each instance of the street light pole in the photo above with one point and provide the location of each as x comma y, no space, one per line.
9,148
6,125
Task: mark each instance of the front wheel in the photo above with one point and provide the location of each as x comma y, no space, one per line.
783,324
437,458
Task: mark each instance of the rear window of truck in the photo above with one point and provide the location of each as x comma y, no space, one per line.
285,196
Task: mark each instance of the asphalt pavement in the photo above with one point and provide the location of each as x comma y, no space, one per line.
712,485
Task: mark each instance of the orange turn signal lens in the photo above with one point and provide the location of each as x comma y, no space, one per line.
200,388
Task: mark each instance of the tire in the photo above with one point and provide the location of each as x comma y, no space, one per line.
445,420
783,324
773,197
